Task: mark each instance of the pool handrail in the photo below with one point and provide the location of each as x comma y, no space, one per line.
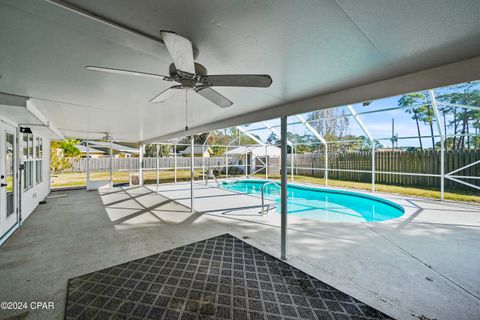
216,181
211,175
263,194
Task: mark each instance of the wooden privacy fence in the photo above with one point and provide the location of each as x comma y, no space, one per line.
421,162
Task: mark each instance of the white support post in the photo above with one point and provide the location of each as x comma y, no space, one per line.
284,194
369,136
360,122
158,166
373,166
442,144
203,164
130,171
226,163
254,138
192,172
326,164
205,175
266,162
240,143
246,166
292,162
140,165
322,140
275,132
88,163
175,161
111,164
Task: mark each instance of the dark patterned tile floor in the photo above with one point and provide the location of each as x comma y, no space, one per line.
218,278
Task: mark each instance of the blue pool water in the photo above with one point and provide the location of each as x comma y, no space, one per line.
323,204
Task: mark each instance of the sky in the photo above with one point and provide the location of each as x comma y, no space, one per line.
378,124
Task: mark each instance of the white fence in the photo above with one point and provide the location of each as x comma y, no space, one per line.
127,164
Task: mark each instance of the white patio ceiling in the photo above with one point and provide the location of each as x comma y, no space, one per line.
319,53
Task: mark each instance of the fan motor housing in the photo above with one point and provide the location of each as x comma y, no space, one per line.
188,83
188,80
199,70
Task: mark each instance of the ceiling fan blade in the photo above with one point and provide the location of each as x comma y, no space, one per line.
129,72
164,95
214,96
238,80
180,50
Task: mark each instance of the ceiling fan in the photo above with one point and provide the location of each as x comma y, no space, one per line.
191,75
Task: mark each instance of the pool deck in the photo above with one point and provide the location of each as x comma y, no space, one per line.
427,262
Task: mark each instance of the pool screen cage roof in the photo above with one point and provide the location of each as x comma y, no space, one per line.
367,123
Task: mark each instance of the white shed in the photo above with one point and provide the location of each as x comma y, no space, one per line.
255,156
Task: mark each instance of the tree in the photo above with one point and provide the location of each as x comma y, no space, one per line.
151,150
303,148
273,139
218,151
464,119
201,138
331,123
426,116
244,139
60,154
366,144
415,100
69,147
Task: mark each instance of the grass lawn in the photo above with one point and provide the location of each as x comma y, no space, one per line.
75,179
78,179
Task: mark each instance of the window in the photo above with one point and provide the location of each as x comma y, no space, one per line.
28,175
10,168
39,160
30,146
38,171
27,145
37,147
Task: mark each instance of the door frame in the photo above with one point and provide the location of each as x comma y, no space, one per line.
9,224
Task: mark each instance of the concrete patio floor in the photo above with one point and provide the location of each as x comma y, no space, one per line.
424,263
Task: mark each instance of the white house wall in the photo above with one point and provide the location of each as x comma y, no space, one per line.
27,200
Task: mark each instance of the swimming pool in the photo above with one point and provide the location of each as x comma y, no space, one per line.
323,204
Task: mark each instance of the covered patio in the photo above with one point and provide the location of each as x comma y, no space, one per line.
150,73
